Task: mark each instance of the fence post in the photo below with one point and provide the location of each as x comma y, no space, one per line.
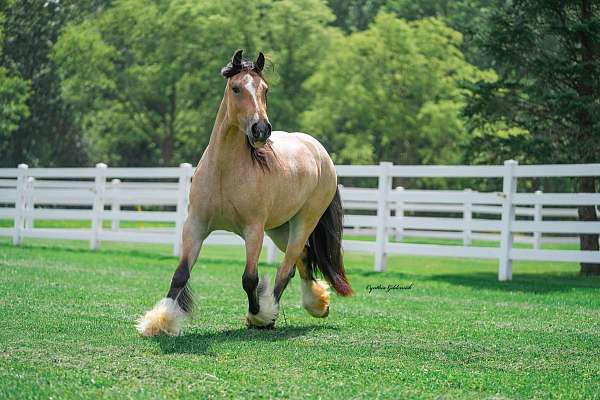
98,207
383,214
115,206
20,203
399,211
509,188
537,217
467,217
29,202
183,188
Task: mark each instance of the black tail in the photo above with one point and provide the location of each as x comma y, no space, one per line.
325,247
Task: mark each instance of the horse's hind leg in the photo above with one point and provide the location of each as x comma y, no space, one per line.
168,314
315,293
280,237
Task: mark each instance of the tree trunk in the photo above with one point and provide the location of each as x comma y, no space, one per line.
588,213
585,91
169,140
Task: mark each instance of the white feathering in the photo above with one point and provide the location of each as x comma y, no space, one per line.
166,318
268,307
315,297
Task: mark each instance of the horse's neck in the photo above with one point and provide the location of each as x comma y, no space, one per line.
227,145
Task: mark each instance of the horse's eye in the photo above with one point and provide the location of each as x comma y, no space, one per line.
236,89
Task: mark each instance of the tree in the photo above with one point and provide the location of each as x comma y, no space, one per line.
144,77
44,134
392,93
297,38
151,70
14,93
354,15
464,16
547,54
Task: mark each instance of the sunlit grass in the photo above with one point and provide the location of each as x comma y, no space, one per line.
67,318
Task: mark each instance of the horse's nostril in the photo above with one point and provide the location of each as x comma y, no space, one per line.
268,130
255,131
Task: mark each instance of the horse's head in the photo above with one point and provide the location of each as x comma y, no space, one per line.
246,97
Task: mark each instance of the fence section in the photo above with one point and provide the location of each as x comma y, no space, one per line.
159,197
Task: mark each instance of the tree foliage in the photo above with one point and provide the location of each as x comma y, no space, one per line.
393,93
296,37
14,93
41,131
547,55
546,100
144,78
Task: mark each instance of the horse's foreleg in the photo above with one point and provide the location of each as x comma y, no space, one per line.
168,314
262,307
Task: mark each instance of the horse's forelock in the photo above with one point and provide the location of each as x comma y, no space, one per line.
231,69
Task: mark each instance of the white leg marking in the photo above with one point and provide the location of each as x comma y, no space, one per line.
268,307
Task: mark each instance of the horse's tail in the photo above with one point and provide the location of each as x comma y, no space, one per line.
325,247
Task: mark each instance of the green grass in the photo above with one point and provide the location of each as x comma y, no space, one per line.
67,317
86,224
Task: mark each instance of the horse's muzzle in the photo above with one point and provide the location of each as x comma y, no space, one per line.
260,130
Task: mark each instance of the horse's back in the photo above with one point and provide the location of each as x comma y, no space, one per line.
298,146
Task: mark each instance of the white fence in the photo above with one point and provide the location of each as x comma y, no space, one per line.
117,194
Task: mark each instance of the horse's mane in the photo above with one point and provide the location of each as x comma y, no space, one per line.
260,156
232,69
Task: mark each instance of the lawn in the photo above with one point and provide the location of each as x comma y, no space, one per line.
68,314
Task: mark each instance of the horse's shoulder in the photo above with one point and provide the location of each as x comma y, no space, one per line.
296,139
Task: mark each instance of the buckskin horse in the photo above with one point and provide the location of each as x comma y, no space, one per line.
249,181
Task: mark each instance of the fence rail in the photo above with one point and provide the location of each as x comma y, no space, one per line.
507,217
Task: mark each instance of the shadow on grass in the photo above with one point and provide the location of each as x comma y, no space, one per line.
200,343
525,283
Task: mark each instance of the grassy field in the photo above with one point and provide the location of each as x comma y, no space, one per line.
68,314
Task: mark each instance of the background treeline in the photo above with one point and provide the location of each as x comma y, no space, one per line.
136,83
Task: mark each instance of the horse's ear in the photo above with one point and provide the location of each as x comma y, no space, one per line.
260,62
237,57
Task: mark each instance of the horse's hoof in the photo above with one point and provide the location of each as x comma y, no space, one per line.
252,325
262,328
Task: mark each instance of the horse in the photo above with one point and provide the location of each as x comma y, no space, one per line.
250,181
